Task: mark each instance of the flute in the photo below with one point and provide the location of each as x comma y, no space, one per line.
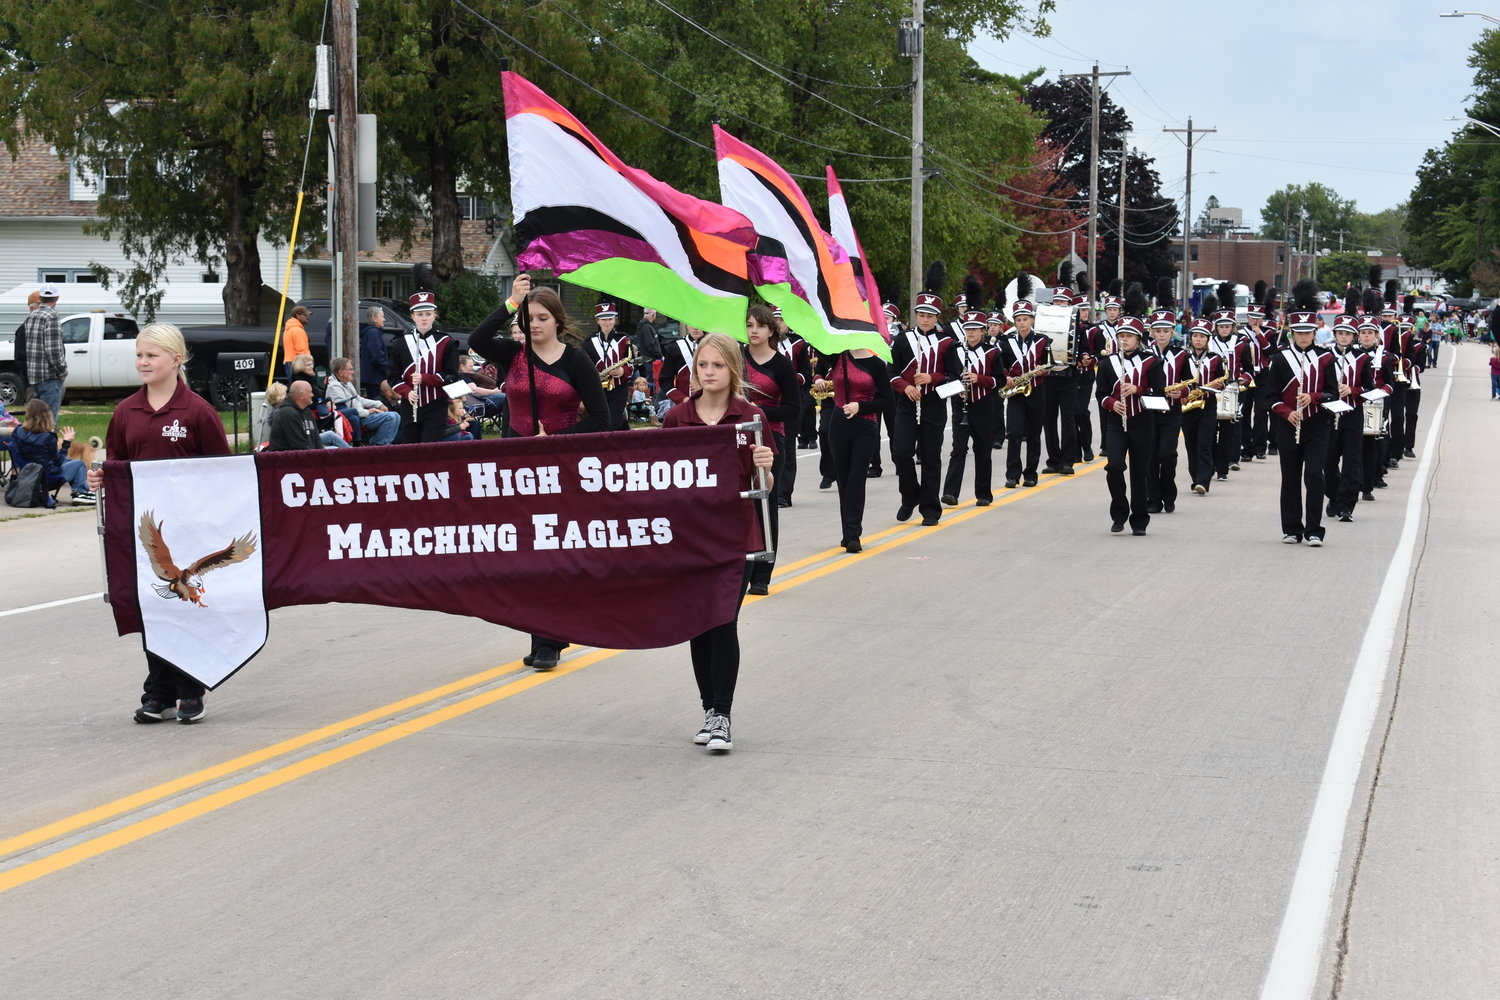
1297,427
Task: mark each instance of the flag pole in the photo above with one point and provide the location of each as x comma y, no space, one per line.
536,420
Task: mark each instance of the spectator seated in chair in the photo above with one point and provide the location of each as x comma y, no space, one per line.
374,423
640,408
486,400
460,424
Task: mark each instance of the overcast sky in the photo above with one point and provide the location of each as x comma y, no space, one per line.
1323,104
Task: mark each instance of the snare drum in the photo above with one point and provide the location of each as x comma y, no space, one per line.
1229,403
1374,419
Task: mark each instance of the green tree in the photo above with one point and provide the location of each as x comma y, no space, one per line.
1316,206
1384,231
1336,271
202,110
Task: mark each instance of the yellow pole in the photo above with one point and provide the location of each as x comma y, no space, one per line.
291,251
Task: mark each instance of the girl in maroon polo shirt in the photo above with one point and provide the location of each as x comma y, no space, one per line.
163,419
718,371
545,397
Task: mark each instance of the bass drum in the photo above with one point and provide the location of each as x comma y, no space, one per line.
1041,294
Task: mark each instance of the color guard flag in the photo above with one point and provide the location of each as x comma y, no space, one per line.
796,265
594,221
843,231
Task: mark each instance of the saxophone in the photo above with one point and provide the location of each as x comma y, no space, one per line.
1195,397
1023,383
609,376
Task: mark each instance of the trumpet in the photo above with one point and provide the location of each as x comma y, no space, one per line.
1023,383
609,376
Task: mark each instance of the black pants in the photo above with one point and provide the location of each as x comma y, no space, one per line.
1198,441
807,420
1128,449
716,659
913,444
1257,425
1343,469
976,432
1372,458
760,572
1083,425
615,400
1413,404
827,414
1059,424
166,684
788,477
1226,444
1396,408
1302,474
853,443
429,424
1023,423
1161,483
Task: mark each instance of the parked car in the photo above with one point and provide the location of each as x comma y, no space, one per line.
100,351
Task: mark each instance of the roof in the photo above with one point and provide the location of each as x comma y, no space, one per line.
35,185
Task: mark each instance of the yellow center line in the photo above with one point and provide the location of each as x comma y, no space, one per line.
238,792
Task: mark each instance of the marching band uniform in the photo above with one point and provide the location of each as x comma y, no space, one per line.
1303,452
1021,355
1373,447
1059,401
1343,469
992,335
888,418
1198,422
1090,345
772,387
430,354
919,424
1414,354
1238,363
1254,412
974,414
1161,481
1128,440
608,350
1400,385
854,441
802,426
677,368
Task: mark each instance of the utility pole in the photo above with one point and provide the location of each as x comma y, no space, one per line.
1341,233
1187,218
1286,244
346,201
909,45
1093,78
1313,246
1124,161
1301,244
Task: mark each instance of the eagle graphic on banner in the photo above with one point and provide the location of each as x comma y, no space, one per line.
187,584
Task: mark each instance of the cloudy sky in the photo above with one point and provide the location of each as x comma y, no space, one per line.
1297,93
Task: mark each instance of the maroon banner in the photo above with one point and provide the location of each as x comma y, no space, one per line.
624,540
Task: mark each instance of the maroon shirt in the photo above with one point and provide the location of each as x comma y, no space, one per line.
186,427
740,411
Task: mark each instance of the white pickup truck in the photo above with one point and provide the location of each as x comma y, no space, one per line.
99,348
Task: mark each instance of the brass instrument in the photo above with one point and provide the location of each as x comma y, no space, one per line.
817,394
1023,383
1195,400
609,376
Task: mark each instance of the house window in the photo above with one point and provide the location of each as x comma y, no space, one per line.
381,286
66,276
473,207
114,177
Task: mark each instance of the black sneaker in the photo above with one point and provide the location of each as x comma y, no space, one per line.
1409,453
1137,531
903,513
718,735
708,728
1011,484
853,546
928,522
1367,495
1168,506
873,472
1088,454
949,500
825,483
84,498
1346,516
1029,481
152,711
1315,540
759,589
1066,470
1117,527
783,502
545,657
189,710
1051,470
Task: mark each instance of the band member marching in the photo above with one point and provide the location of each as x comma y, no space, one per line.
677,366
888,418
1238,362
547,381
861,385
801,429
922,359
1026,358
1343,470
421,363
1255,418
610,350
1413,363
974,413
1129,430
1301,380
1086,348
1390,335
1376,432
1161,482
1059,399
1205,368
992,335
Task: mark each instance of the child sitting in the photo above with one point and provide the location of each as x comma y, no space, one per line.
640,404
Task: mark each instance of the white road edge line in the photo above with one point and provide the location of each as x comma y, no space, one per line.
1295,963
52,604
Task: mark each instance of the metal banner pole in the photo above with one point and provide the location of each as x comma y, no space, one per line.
761,495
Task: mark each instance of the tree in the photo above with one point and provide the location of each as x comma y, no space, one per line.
1151,220
1384,231
1206,223
1336,271
201,111
1317,207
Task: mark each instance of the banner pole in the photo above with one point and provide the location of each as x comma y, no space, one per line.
97,465
761,495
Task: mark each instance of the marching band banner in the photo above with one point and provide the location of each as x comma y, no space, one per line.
616,540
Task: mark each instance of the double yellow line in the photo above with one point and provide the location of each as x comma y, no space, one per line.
816,566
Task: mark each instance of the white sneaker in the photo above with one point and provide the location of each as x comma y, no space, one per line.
708,728
1315,541
718,737
1290,539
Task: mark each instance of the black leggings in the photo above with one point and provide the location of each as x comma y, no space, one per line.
716,658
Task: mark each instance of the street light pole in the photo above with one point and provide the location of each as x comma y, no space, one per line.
1470,13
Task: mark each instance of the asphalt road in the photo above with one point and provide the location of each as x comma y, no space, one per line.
1010,756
